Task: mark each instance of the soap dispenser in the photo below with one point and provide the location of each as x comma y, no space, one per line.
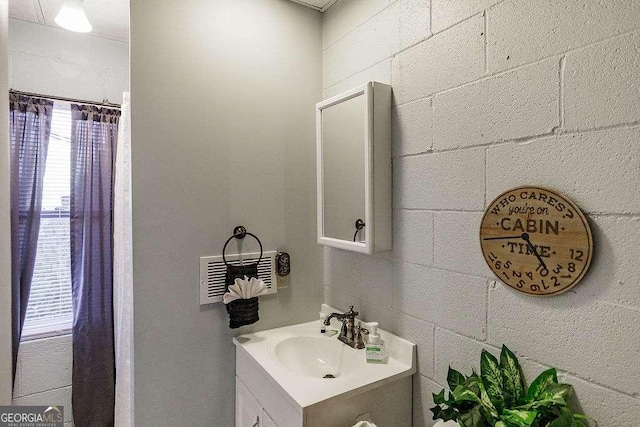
375,351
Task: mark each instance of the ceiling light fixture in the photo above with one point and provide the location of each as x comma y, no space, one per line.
73,18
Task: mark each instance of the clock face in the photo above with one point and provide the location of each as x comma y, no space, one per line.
536,241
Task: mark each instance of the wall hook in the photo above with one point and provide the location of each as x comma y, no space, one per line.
239,232
359,226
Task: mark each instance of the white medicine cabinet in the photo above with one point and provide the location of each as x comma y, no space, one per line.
353,143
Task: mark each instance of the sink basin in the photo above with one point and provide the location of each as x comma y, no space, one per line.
296,360
315,357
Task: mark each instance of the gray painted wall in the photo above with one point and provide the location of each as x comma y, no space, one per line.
223,97
5,227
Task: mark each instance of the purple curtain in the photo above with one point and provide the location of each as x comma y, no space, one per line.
94,132
30,127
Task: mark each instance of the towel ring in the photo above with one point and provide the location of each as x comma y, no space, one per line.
240,233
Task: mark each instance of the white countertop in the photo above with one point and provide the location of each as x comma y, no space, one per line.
305,391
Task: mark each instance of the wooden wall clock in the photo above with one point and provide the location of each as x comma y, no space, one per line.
536,240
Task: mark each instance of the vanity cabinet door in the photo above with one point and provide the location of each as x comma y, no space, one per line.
248,409
267,421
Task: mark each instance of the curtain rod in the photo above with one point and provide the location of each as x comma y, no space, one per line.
104,103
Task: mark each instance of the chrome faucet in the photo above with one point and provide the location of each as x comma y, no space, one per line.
350,333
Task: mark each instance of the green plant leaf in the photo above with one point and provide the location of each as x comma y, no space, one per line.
446,414
454,378
553,395
549,376
564,420
542,404
583,420
439,399
511,378
472,382
488,409
500,424
519,418
492,379
473,418
474,377
555,391
463,392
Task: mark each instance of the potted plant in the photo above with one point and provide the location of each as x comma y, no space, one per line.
498,397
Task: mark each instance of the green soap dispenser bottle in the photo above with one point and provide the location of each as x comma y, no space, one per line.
375,350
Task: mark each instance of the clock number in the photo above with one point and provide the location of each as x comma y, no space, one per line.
505,275
558,269
516,274
543,271
499,265
555,283
535,288
576,254
543,285
492,257
572,267
521,283
529,275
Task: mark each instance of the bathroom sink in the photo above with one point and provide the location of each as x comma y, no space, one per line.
309,367
316,357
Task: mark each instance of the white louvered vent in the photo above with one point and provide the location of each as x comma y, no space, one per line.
213,271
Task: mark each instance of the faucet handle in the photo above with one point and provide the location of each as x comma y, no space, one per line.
361,329
351,313
359,343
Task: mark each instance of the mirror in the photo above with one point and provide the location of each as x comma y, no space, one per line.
354,169
343,161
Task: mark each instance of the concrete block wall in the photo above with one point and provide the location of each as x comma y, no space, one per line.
489,95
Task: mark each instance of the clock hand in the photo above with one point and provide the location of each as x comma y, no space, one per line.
525,236
500,238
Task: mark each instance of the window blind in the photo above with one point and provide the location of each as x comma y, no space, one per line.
50,310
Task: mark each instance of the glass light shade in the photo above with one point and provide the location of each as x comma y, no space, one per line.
73,18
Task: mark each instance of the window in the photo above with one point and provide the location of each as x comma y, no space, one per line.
49,311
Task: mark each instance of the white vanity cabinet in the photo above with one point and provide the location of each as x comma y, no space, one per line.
271,391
